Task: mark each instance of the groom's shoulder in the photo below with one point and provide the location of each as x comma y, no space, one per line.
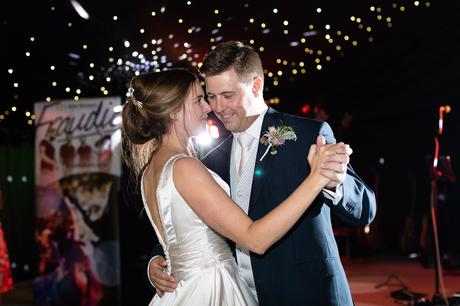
305,124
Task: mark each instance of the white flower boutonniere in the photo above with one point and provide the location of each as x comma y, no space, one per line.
275,137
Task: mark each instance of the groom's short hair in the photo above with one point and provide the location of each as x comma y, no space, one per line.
233,54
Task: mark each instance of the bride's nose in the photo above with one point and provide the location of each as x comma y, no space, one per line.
205,107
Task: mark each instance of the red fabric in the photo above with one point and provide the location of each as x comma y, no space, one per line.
6,280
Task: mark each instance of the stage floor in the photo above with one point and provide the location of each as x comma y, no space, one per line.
363,274
387,273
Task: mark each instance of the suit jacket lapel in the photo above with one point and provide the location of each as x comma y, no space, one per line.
218,159
262,168
227,147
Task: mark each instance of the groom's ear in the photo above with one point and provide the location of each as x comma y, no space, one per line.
257,86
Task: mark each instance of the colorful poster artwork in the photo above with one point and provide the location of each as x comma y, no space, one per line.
77,172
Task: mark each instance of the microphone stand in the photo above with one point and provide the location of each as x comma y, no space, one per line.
436,174
437,299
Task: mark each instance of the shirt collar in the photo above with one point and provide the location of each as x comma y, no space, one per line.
256,126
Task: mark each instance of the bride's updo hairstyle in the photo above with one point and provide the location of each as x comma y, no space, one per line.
151,99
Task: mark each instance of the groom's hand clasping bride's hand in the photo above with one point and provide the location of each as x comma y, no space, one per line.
335,168
162,281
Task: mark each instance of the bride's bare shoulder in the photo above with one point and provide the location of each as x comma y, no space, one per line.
188,164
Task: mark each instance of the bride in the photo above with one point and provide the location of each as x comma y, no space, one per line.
189,205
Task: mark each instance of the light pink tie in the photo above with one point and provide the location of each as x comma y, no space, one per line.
244,140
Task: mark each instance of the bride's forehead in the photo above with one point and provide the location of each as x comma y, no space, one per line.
195,90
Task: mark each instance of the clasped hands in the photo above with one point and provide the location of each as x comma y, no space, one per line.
334,161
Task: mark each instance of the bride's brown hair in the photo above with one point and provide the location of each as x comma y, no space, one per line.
152,98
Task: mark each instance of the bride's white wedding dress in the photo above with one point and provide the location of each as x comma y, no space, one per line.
199,258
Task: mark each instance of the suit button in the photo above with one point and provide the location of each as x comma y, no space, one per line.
350,207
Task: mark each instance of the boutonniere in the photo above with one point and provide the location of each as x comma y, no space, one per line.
275,137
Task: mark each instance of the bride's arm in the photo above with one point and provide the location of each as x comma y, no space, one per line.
212,204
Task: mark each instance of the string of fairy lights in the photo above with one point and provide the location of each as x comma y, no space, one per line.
291,43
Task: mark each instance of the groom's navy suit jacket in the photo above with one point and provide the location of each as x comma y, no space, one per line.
303,268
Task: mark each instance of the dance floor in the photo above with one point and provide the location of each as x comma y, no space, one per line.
365,275
372,280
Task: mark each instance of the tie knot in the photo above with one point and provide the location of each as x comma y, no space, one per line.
245,139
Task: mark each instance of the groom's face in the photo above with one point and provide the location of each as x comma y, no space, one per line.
231,100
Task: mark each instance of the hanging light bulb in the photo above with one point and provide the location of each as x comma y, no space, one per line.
79,9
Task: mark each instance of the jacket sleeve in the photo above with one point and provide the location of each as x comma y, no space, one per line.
358,204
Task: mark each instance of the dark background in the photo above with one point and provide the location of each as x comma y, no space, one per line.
391,87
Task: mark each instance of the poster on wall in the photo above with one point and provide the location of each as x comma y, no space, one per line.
77,175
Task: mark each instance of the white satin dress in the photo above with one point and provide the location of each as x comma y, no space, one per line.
198,258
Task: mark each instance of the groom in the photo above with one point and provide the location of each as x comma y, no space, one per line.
304,267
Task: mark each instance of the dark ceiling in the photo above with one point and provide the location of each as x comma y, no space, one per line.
405,63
